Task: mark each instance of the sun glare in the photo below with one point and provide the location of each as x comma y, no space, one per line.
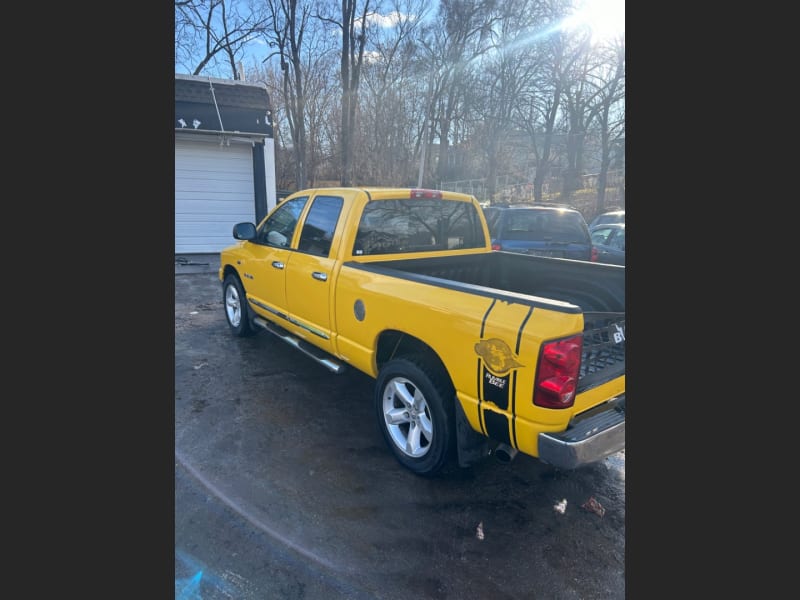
606,18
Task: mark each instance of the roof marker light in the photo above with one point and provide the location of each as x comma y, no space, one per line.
419,193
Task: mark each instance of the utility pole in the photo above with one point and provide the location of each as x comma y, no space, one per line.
422,159
425,131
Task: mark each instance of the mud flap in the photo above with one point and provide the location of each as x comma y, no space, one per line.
472,446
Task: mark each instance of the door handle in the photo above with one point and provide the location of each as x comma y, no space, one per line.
320,276
278,264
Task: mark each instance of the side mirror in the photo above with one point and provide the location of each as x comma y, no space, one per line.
244,231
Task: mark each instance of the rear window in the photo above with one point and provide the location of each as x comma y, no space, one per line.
417,225
536,225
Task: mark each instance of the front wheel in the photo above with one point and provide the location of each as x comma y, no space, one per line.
235,302
415,407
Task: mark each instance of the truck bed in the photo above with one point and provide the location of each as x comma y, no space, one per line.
594,289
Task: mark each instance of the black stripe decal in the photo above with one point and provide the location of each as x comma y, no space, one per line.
521,328
486,316
497,426
480,395
514,412
514,384
478,369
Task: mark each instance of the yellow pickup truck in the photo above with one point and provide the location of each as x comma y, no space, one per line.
474,351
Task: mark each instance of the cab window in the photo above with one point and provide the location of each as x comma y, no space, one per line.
319,226
279,227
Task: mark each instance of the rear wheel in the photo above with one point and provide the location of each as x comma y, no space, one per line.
414,404
235,302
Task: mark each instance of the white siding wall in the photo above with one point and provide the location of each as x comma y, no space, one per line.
213,191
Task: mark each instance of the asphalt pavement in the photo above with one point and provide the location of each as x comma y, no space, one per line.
284,489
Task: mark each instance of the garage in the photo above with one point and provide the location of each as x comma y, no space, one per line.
213,190
224,160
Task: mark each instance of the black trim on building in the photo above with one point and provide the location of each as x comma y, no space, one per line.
259,181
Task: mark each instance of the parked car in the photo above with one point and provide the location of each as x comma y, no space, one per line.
609,242
612,216
540,229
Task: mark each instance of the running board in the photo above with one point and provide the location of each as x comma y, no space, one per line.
322,357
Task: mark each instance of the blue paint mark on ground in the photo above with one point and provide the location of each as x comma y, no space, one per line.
188,589
200,580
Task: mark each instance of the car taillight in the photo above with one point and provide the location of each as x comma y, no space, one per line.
595,254
496,247
426,194
557,376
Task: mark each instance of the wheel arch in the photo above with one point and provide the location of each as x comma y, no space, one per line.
248,327
231,270
398,344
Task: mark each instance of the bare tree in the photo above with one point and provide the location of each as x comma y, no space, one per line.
463,33
352,23
484,89
537,116
611,114
354,39
592,90
579,109
285,34
390,97
506,72
540,112
209,33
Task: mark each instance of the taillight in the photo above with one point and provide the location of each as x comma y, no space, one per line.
557,376
496,246
595,254
426,194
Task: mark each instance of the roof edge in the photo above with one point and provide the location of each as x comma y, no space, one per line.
216,80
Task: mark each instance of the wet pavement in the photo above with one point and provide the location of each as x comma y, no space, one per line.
285,489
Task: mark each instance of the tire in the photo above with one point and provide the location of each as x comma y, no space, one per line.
415,407
235,304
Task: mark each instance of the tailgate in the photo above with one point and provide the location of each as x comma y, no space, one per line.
603,357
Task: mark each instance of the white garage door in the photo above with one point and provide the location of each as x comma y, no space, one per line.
213,192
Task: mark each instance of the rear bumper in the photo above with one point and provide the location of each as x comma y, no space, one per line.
597,434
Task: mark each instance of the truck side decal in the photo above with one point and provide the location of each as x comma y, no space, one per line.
497,380
497,355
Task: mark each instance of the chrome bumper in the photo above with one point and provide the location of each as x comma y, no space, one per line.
592,437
